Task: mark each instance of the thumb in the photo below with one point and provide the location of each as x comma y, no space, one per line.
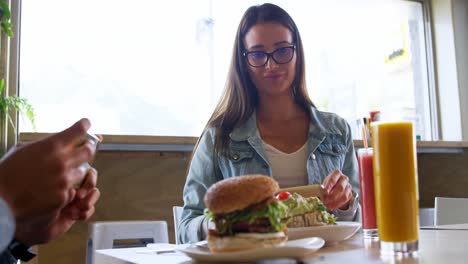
74,133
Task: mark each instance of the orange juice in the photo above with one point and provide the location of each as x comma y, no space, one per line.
395,181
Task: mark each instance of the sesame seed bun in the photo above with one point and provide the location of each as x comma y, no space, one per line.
240,192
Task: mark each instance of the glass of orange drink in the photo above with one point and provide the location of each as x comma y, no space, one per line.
396,187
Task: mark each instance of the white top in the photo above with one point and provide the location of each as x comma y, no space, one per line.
289,169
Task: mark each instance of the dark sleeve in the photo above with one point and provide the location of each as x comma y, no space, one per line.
7,258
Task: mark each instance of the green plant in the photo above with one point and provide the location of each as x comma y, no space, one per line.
20,104
5,16
6,102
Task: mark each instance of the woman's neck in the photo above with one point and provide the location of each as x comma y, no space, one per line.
278,108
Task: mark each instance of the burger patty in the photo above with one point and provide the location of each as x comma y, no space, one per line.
261,225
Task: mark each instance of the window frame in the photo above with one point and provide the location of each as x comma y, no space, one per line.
431,76
173,143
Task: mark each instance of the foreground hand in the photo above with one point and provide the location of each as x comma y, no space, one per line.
338,191
80,208
36,178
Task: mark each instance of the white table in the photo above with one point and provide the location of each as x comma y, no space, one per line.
435,246
131,255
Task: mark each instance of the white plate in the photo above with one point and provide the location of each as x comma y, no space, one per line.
330,233
296,249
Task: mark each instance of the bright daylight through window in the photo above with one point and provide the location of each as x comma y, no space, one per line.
147,67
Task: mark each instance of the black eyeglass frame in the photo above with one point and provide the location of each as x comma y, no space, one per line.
269,55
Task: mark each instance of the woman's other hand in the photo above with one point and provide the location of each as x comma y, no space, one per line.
338,191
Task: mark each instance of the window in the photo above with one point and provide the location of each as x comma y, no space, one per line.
148,67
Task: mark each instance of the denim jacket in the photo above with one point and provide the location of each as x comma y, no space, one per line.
330,147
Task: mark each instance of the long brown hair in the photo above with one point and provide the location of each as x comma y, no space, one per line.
239,98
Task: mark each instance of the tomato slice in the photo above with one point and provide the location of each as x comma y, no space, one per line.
283,196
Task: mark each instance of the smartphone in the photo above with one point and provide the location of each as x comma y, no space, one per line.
85,166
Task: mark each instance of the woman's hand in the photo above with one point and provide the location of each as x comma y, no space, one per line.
338,191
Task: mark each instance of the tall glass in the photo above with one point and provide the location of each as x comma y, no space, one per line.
396,187
366,182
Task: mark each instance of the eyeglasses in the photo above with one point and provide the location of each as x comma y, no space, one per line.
260,58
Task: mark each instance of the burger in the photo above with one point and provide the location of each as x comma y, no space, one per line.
245,213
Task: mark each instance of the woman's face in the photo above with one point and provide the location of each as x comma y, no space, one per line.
273,78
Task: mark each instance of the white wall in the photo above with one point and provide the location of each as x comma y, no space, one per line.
450,36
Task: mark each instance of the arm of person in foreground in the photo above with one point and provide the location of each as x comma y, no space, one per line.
81,208
36,178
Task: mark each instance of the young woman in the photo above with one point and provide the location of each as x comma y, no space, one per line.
265,123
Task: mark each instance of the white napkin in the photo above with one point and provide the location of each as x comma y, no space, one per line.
161,248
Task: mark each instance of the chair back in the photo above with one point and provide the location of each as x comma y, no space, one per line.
177,213
449,211
426,216
104,235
